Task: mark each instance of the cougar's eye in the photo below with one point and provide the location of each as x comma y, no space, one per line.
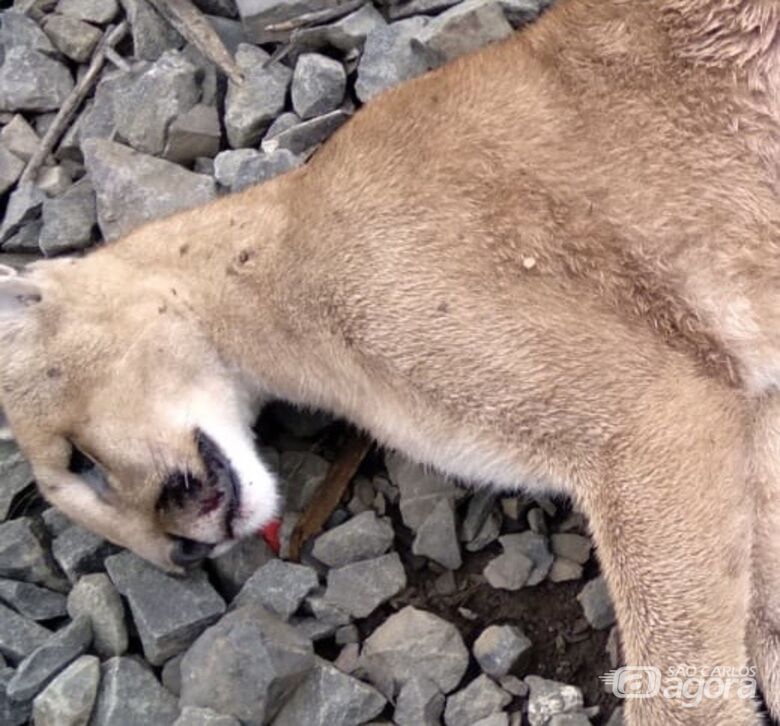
79,462
89,470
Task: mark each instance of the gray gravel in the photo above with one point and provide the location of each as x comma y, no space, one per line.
69,698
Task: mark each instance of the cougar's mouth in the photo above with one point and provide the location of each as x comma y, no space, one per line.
222,481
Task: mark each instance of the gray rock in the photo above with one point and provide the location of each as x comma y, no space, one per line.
256,15
302,473
24,557
389,57
413,643
230,31
420,489
564,570
348,659
193,716
520,12
347,634
95,598
20,138
39,668
233,568
227,164
509,571
548,698
133,188
171,674
130,695
597,604
152,35
481,505
616,719
419,703
12,713
437,536
328,697
534,547
194,133
15,474
159,94
246,665
462,29
481,698
17,30
73,37
326,611
313,629
569,719
31,601
499,648
11,168
513,685
363,537
98,119
25,239
250,108
53,180
93,11
495,719
347,34
170,612
279,587
19,636
69,221
318,85
306,135
69,698
573,547
264,167
283,122
80,552
32,81
361,587
24,206
55,522
487,534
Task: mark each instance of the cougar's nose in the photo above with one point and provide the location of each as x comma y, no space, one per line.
189,552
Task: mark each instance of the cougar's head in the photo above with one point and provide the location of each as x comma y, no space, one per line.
133,425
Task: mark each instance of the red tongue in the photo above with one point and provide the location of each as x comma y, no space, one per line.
270,533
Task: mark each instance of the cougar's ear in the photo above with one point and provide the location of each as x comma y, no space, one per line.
16,293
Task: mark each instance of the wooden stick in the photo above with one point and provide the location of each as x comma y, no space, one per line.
192,24
317,17
72,103
329,493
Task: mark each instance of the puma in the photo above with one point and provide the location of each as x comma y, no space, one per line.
552,264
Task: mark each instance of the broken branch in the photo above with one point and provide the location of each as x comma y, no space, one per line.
329,493
72,103
184,17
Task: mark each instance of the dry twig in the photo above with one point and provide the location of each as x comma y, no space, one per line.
329,493
317,17
193,26
72,103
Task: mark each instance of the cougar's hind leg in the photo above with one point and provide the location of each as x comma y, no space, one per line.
673,523
763,633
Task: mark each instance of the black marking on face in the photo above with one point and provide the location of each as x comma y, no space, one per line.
179,486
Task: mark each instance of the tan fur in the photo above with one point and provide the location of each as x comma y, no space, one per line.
553,263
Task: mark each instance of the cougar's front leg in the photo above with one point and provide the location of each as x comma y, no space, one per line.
763,634
672,522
